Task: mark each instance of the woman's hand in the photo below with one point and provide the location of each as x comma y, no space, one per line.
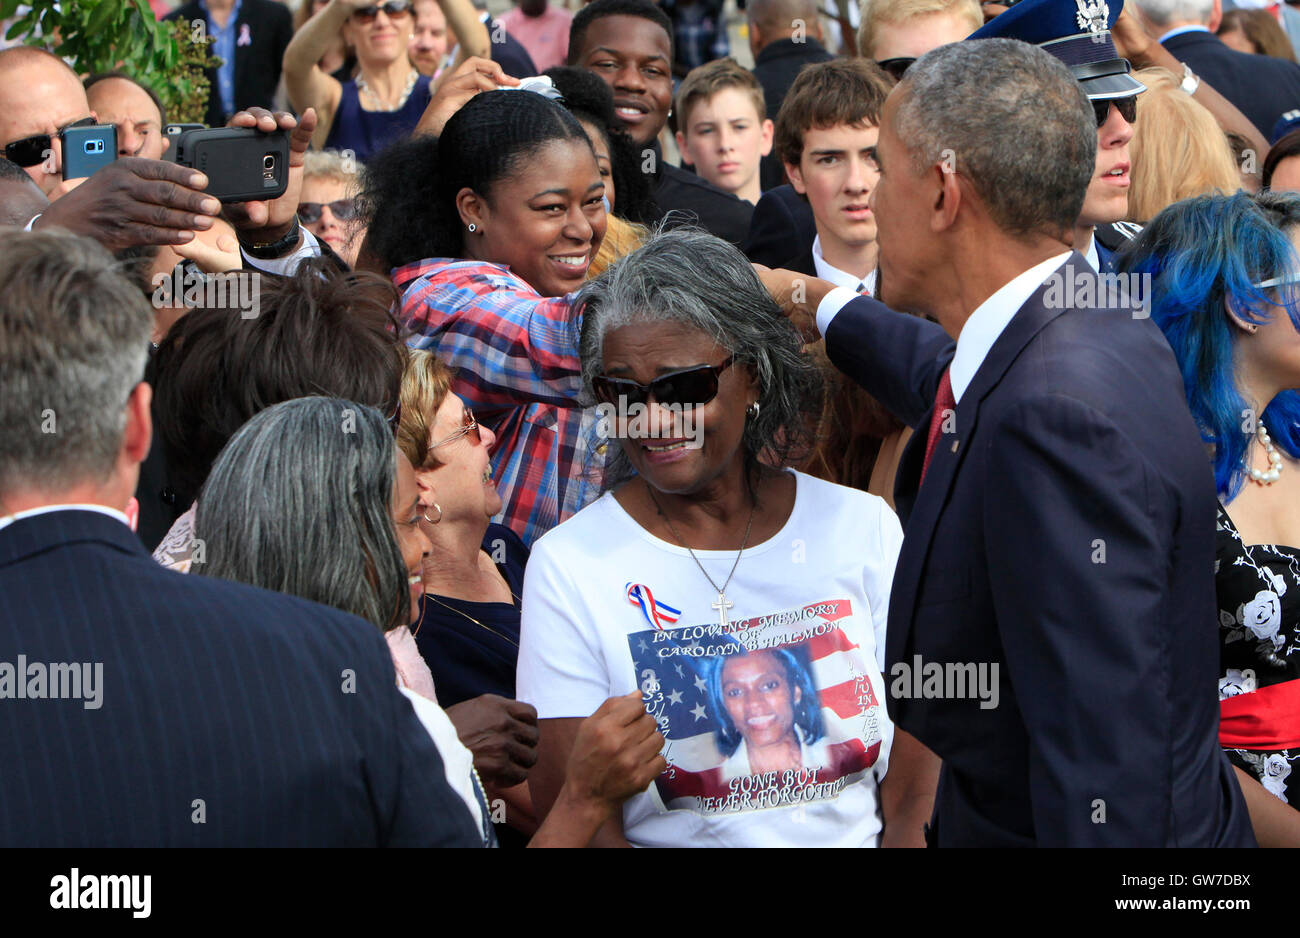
501,734
474,76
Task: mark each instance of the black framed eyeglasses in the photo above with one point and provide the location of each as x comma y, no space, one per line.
342,209
468,428
30,151
897,67
1127,107
689,387
393,9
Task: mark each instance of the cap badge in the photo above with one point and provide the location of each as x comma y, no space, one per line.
1092,15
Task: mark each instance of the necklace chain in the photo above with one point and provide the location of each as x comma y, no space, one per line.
378,105
461,612
722,593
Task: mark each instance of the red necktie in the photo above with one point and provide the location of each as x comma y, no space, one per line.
943,404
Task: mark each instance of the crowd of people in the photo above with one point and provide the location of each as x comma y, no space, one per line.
917,463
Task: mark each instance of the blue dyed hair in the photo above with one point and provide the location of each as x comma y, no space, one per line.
1204,255
807,710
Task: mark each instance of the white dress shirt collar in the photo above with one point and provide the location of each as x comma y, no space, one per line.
841,278
990,319
7,520
1179,30
1091,255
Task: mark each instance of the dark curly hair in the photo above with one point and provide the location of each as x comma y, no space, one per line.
409,194
589,99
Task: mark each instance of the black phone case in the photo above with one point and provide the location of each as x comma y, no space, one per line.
87,149
235,161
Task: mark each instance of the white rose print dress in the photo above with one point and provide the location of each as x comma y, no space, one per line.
1258,589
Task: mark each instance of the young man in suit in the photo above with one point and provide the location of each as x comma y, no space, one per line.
1058,512
251,36
826,137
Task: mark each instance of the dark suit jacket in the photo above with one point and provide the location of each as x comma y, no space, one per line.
258,64
1261,87
700,202
509,52
783,227
275,720
776,67
1065,533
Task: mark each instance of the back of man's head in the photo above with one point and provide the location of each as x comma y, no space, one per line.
20,197
1166,14
944,20
1009,118
74,334
779,19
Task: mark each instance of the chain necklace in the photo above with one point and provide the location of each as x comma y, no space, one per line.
377,105
722,604
481,625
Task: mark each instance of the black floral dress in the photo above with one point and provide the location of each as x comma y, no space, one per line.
1258,589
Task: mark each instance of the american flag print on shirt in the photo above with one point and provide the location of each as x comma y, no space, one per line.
771,711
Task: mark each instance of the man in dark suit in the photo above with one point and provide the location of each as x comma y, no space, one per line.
1261,87
1058,512
142,707
784,36
251,36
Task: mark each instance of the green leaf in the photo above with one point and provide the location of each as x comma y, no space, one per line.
8,8
101,16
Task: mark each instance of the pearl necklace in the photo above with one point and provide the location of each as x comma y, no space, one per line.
1274,471
364,89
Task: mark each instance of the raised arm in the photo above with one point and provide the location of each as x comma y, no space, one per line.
307,85
472,40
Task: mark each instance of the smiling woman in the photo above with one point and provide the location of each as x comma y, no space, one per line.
490,226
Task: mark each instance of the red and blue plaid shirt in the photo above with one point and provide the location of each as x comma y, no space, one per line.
515,358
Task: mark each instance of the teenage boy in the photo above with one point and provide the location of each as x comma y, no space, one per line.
724,132
826,136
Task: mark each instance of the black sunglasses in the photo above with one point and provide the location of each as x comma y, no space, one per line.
1127,107
392,9
342,209
690,387
897,67
30,151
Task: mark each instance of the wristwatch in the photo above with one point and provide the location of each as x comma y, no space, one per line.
1190,80
271,250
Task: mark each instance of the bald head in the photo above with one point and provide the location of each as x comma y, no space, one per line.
770,20
39,94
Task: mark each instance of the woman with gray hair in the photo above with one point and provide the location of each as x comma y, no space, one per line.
313,498
709,550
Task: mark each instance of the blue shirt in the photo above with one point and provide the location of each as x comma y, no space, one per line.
224,49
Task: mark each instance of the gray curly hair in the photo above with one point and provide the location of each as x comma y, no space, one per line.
690,277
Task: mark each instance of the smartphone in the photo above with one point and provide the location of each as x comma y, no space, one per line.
175,130
242,164
87,149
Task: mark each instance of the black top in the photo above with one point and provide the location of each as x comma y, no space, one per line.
470,658
776,68
783,227
509,52
718,212
1258,589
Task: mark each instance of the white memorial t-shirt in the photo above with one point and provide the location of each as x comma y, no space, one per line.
776,727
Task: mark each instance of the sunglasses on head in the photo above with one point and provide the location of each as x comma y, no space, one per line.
1127,107
342,209
896,67
392,9
468,428
689,387
31,151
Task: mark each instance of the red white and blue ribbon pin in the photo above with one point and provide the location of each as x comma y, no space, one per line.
656,613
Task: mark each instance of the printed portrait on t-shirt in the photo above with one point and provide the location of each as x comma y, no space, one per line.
766,712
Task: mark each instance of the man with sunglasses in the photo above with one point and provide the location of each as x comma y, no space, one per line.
251,36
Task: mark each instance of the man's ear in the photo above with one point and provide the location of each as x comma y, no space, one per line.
1216,16
139,425
947,198
796,177
769,129
473,209
681,148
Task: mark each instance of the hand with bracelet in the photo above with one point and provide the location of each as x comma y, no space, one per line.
270,229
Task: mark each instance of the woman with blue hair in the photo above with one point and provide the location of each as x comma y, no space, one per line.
1225,289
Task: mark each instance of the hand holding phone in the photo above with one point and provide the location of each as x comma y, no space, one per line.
242,164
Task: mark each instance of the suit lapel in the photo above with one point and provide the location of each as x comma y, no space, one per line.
920,509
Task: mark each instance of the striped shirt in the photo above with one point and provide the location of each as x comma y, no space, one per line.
515,358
